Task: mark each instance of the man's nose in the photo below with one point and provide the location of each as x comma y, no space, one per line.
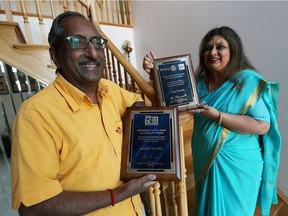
91,51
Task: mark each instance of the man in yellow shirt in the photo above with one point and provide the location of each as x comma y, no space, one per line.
67,139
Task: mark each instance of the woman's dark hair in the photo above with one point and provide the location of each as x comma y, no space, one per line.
56,32
238,60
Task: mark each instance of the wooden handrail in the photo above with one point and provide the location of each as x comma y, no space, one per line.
144,86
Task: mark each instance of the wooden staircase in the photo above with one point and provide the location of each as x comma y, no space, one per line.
34,59
31,58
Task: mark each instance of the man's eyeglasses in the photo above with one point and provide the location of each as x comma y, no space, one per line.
80,42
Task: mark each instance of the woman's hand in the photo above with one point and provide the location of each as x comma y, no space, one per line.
207,111
239,123
148,62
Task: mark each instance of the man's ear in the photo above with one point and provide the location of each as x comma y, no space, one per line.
54,56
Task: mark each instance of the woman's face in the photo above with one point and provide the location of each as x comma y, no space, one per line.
217,54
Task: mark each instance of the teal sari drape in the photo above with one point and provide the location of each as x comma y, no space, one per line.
233,170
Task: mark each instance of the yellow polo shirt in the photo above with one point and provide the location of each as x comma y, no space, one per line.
62,141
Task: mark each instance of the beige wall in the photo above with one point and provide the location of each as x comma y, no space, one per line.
176,27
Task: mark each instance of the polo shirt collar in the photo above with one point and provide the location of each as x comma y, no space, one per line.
73,95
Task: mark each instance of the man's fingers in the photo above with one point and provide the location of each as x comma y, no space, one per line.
149,177
149,180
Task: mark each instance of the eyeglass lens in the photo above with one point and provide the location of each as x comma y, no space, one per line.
81,42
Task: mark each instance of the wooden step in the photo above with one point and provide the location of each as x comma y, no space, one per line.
274,209
12,33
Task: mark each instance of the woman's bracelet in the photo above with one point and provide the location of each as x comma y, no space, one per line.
220,117
112,197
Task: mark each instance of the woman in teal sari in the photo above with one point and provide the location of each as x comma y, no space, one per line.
236,141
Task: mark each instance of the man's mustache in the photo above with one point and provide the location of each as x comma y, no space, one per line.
97,61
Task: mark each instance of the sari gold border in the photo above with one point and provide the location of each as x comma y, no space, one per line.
212,157
253,98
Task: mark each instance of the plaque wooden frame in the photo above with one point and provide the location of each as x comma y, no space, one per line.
175,83
133,147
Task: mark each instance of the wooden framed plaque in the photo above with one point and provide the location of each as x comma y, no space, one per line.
151,143
175,83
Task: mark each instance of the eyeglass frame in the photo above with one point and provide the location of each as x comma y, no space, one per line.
68,38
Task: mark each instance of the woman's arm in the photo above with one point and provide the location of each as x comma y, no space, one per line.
239,123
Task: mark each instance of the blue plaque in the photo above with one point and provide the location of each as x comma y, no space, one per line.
151,143
175,83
